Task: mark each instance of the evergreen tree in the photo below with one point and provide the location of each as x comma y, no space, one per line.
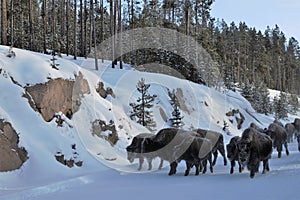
53,63
261,99
248,91
280,106
176,120
293,104
141,110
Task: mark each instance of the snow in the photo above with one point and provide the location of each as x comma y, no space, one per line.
106,173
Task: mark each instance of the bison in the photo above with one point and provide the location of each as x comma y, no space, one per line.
135,150
296,123
290,130
254,147
174,145
279,137
217,140
233,153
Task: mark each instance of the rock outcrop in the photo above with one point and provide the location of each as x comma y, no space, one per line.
57,95
12,156
239,117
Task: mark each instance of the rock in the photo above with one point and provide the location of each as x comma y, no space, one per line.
104,92
12,157
57,95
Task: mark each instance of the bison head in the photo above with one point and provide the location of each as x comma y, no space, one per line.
244,150
132,150
232,149
131,156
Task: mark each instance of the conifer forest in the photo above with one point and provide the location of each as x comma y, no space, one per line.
243,54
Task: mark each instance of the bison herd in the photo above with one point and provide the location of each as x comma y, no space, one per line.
199,148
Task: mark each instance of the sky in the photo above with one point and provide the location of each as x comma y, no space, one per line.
261,13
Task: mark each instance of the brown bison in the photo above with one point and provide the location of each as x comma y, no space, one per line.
290,130
217,140
135,150
233,153
279,137
296,123
254,147
175,145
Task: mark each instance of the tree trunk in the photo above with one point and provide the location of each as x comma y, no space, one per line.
4,23
75,30
111,6
53,26
12,23
85,28
31,45
67,26
120,34
102,27
44,16
187,17
81,29
93,31
62,21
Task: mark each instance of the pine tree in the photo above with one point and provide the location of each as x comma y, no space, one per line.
280,106
141,110
247,91
293,104
53,63
176,120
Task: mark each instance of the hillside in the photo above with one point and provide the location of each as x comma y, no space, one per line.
71,129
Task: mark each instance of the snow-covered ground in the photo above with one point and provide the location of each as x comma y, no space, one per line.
106,173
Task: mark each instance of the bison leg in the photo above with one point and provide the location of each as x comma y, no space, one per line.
265,164
222,151
286,148
149,163
141,161
215,157
241,168
279,149
210,164
232,166
173,167
188,168
197,168
252,173
204,165
161,164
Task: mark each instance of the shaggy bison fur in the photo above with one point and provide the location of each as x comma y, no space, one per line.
233,153
175,145
217,141
254,147
136,150
279,137
290,130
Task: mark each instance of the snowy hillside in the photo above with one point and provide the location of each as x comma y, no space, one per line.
106,172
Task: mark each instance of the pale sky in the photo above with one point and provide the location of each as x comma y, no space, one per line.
261,13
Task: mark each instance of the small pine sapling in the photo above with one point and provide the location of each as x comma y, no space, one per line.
176,120
141,109
53,63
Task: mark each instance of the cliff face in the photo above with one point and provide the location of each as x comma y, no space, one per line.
57,95
12,156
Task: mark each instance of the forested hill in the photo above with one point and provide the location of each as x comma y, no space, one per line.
242,53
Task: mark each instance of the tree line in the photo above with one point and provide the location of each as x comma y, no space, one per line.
241,53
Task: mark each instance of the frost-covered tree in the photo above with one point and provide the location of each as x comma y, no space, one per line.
247,91
261,99
280,106
293,104
53,60
141,110
176,120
